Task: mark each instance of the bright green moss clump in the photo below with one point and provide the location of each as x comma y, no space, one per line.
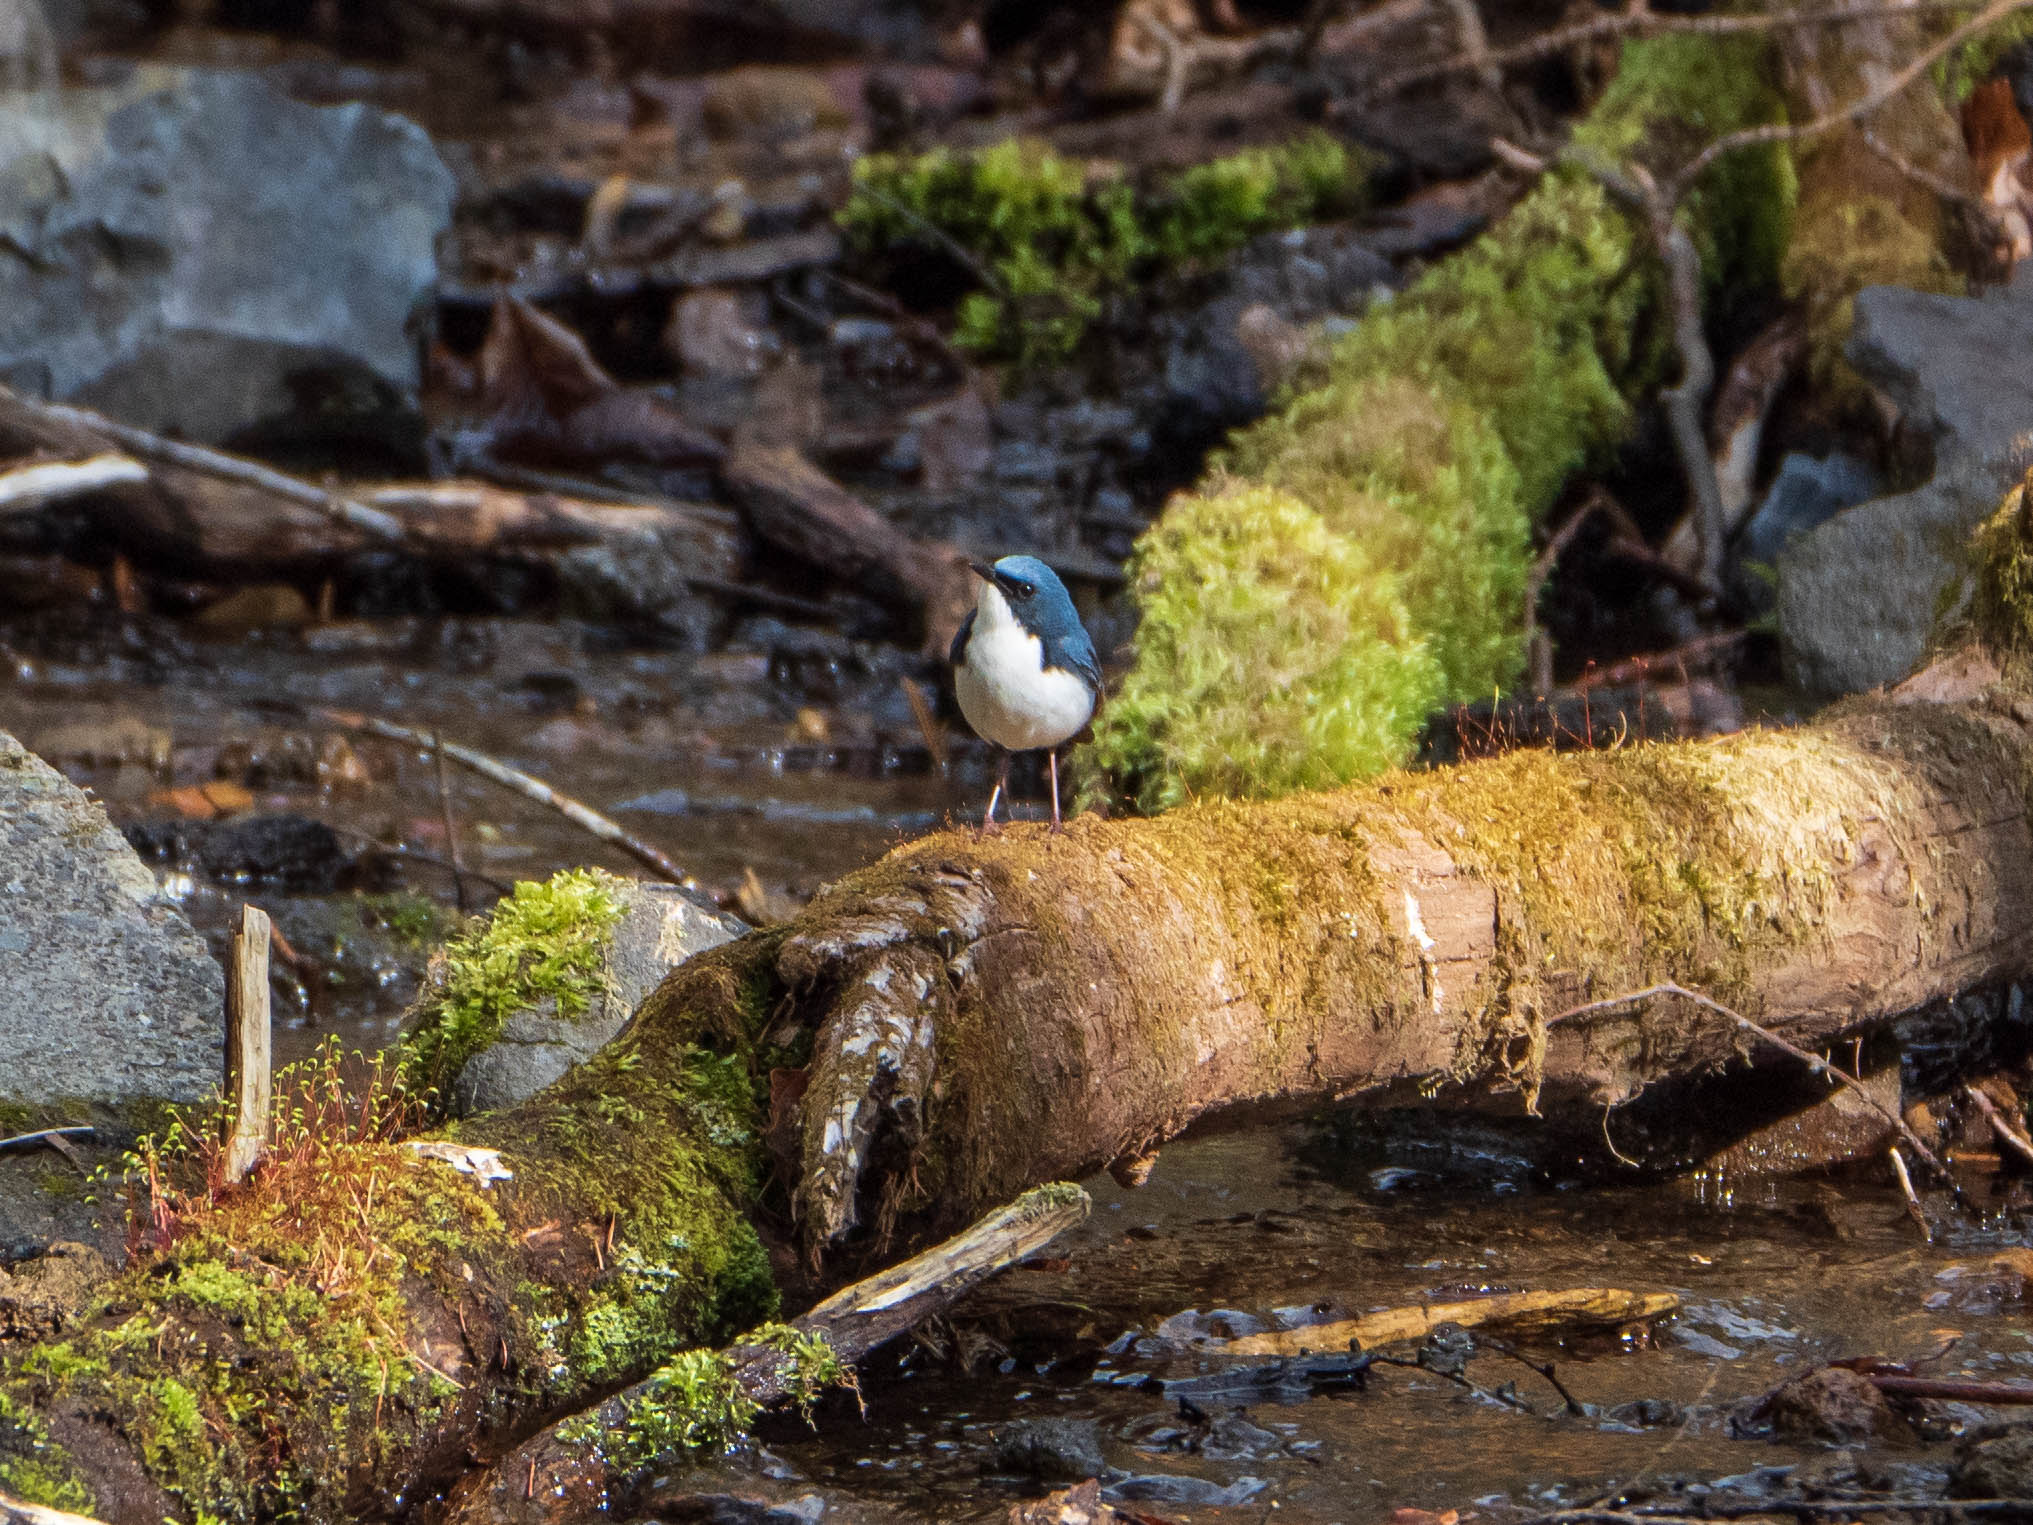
1448,423
543,943
1057,242
1241,590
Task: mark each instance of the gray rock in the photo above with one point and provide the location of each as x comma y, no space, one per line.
1858,596
196,253
661,928
1213,374
1805,495
109,996
1056,1450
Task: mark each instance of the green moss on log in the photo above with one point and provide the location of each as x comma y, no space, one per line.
1234,584
1450,420
1056,240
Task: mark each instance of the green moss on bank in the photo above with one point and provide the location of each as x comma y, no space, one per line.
1449,421
290,1347
1056,241
544,944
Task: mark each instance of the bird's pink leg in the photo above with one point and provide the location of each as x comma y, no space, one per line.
1052,762
988,825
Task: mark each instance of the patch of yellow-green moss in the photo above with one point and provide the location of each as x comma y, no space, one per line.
2001,578
1234,586
1450,419
1055,240
1846,241
543,945
655,1146
33,1468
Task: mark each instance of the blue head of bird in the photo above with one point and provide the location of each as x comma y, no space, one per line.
1025,671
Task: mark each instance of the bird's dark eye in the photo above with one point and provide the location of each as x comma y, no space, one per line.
1023,589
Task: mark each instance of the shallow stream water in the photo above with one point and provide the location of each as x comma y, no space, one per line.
711,759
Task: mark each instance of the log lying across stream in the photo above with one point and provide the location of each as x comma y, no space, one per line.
975,1015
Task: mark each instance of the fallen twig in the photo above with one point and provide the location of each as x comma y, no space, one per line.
1640,20
2007,1135
451,823
232,468
1813,1061
1600,1307
1543,1368
1913,1208
1855,111
1691,654
23,489
581,815
14,1511
43,1135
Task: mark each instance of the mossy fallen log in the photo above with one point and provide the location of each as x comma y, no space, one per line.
1449,420
974,1015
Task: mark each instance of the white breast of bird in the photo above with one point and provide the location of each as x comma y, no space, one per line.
1008,694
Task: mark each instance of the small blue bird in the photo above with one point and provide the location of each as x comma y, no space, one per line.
1024,667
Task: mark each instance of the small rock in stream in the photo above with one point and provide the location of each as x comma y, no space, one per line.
110,996
1832,1403
1051,1449
1994,1465
661,927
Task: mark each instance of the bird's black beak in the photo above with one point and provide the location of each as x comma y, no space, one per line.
982,570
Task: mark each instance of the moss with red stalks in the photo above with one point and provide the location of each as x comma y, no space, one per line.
324,1338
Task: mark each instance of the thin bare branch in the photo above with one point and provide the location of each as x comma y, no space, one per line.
581,815
354,515
1855,111
1641,21
1812,1060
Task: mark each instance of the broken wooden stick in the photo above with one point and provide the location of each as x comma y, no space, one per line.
549,1478
2007,1135
216,463
24,489
794,506
248,1044
15,1511
1587,1307
527,785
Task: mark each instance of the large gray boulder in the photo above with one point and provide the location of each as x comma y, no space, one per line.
660,927
1858,595
107,995
196,253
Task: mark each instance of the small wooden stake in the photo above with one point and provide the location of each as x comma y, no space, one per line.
247,1043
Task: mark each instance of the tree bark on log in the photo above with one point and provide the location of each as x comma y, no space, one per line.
977,1014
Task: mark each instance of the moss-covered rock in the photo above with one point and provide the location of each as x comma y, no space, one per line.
1056,240
1448,423
519,997
540,948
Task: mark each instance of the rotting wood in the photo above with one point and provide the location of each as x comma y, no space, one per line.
224,517
580,814
1584,1308
549,1478
794,506
248,1044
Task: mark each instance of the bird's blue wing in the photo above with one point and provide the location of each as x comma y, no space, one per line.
959,652
1074,653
